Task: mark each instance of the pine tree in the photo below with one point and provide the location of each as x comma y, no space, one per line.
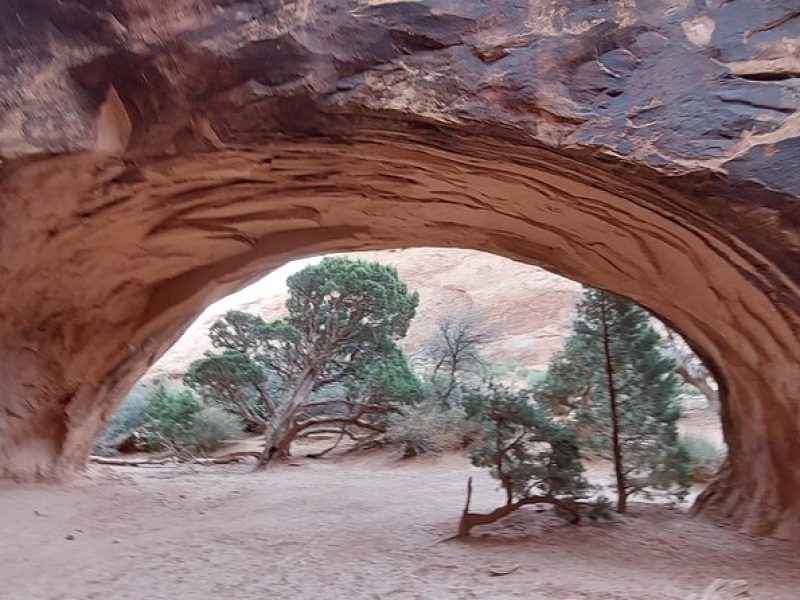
621,389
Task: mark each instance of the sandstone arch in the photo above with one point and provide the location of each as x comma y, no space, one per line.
155,159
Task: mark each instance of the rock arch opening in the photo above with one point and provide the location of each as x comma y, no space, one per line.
505,321
161,165
208,242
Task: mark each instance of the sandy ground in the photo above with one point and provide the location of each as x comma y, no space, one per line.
360,527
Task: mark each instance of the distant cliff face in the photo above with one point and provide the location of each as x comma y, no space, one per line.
528,309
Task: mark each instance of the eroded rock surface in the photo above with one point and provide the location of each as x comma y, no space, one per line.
158,155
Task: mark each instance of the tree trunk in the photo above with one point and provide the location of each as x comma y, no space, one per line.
265,399
622,496
330,448
700,381
282,428
252,421
451,386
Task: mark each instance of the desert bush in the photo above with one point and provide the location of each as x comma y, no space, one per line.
168,417
600,508
129,417
502,370
534,377
209,429
427,428
705,457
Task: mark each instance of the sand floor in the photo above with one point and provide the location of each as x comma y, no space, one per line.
359,527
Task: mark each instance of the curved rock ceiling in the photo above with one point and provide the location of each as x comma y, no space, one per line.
157,156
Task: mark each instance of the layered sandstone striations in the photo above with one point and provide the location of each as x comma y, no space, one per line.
158,155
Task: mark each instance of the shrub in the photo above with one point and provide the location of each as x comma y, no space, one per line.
427,428
169,416
209,429
502,370
129,416
705,457
535,377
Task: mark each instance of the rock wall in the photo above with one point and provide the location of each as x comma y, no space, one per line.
527,309
157,156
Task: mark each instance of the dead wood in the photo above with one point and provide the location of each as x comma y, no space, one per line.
225,459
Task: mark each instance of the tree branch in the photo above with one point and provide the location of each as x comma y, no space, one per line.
339,421
470,519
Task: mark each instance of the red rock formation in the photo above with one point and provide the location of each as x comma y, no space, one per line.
158,155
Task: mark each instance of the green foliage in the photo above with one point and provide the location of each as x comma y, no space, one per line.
526,450
427,428
387,380
338,289
342,315
705,457
600,508
687,389
508,371
169,416
344,319
501,370
239,331
129,417
395,382
534,377
613,348
233,381
514,375
209,428
347,311
569,376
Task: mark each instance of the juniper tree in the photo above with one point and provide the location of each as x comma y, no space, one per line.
387,380
233,380
621,388
534,458
368,398
344,319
